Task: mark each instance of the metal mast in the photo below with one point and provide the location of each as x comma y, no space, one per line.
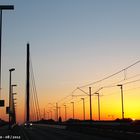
28,84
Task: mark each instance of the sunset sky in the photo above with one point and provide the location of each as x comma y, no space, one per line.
73,43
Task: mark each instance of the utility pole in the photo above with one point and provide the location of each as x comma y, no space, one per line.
73,109
59,111
28,84
121,87
54,114
2,7
56,111
51,114
65,112
44,114
98,105
15,112
90,99
83,108
90,103
10,96
48,115
13,119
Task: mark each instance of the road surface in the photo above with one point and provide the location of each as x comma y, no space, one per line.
37,132
48,133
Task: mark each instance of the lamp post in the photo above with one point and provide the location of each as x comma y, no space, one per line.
121,87
73,108
56,111
10,91
90,99
83,108
98,105
48,115
59,108
2,7
54,114
90,103
44,114
65,112
13,105
51,114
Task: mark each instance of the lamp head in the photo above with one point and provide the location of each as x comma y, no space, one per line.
14,85
6,7
12,69
119,85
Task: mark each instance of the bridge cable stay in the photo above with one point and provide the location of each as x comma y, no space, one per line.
32,103
35,97
33,110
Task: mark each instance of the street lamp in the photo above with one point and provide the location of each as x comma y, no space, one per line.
73,108
90,99
13,119
121,87
48,115
56,111
44,114
12,86
65,112
83,108
54,114
90,103
51,114
2,7
59,110
10,92
98,104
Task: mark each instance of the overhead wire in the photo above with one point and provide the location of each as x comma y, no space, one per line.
111,75
102,87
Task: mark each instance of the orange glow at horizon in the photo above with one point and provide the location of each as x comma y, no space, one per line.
110,106
110,101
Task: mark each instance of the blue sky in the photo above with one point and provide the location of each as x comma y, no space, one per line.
72,41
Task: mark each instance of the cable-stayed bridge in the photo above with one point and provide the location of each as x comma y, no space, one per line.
53,123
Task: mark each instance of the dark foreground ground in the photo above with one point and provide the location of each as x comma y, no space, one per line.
59,132
37,132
